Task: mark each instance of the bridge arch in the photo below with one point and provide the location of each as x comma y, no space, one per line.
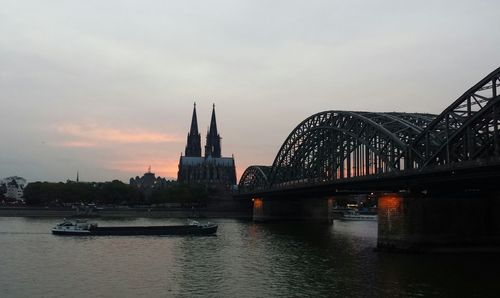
254,178
343,144
334,145
476,139
459,132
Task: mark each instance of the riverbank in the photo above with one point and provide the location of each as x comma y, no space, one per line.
125,213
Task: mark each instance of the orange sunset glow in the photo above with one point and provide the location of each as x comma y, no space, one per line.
161,167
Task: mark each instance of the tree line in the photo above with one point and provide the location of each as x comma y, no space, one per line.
111,193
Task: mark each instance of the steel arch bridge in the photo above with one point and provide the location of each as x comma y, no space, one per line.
334,146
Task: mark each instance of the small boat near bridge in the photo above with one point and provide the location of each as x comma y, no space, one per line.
353,214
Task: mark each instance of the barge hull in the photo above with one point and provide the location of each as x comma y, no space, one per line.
167,230
146,231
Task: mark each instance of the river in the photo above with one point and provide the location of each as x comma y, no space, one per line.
244,259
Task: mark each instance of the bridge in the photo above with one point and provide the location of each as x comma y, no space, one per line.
431,172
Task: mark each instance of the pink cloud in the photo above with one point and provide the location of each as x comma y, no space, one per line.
76,144
92,135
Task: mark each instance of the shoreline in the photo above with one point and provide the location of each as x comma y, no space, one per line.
124,213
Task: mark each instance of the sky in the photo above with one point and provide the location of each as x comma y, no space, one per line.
107,88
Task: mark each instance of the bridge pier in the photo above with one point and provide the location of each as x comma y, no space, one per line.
439,222
304,209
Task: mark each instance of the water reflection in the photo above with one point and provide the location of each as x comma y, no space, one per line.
243,260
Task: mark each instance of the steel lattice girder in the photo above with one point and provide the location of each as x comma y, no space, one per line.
254,178
428,146
477,138
324,140
316,150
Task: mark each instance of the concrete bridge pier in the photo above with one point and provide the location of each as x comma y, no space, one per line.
305,209
439,222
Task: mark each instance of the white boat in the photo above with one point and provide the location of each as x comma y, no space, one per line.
351,214
359,217
77,227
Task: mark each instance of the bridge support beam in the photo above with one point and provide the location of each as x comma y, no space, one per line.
305,209
451,222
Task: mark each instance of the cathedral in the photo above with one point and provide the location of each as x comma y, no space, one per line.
211,169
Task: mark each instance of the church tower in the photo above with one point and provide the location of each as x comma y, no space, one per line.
193,147
211,170
212,148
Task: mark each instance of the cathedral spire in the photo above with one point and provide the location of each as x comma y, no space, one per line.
194,122
212,147
213,123
193,147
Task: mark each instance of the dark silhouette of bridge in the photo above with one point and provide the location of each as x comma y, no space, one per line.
447,159
363,151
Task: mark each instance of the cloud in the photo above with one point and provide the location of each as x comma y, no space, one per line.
79,135
76,144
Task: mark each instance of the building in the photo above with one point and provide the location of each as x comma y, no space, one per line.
211,169
14,187
148,181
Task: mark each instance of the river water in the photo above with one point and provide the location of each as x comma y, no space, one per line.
244,260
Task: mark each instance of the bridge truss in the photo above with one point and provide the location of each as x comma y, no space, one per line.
335,145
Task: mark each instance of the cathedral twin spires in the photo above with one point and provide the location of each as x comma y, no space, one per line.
211,170
212,147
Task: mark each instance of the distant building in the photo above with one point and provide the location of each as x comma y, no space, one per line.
14,187
148,181
211,169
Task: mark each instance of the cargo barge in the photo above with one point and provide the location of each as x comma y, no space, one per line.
84,228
